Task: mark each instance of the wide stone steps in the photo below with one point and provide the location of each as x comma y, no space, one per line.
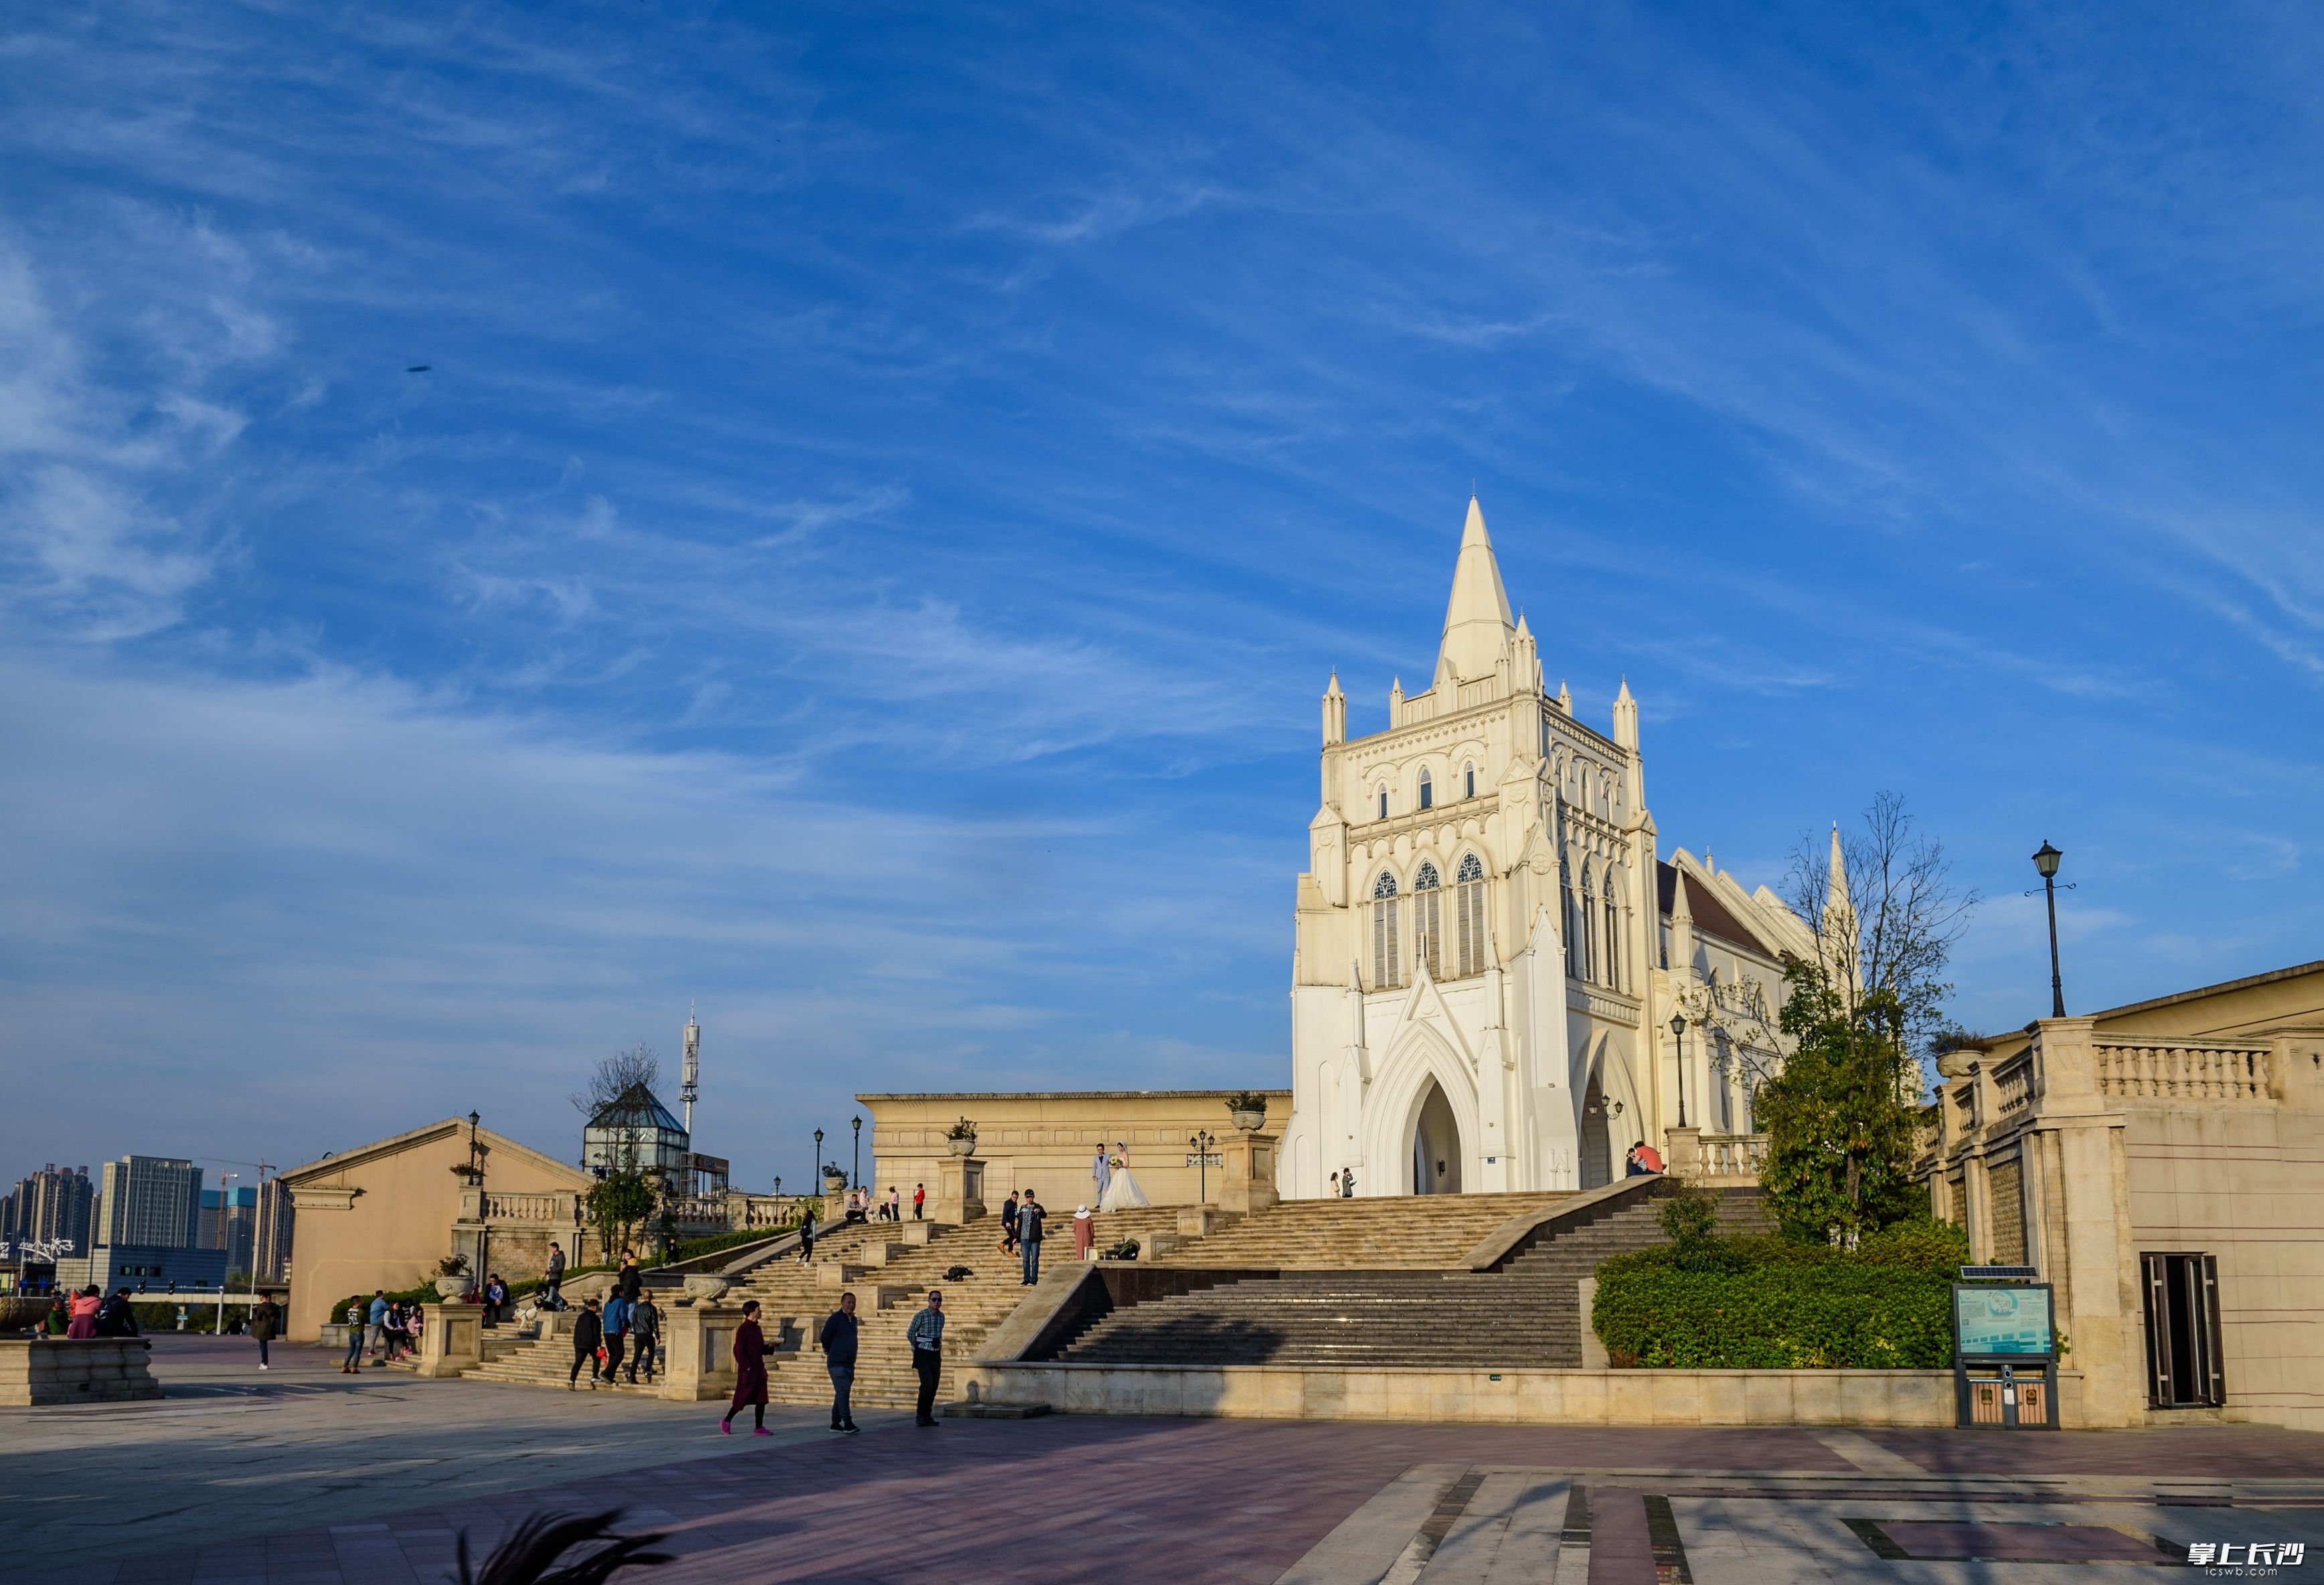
1426,1231
1527,1314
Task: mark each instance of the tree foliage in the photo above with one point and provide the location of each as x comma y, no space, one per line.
1901,917
614,1076
1840,1129
621,1202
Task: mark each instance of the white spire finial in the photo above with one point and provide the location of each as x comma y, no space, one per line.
1478,625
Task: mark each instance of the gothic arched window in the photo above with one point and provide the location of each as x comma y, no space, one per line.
1589,970
1386,971
1428,921
1469,773
1427,792
1469,909
1572,920
1613,936
1383,791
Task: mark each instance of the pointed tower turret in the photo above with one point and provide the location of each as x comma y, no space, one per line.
1527,671
1335,712
1396,702
1564,697
1625,717
1837,936
1681,947
1477,623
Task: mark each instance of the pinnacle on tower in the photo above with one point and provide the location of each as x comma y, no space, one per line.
1625,717
1564,696
1836,889
1478,627
1335,712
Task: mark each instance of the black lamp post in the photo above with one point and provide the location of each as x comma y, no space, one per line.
2046,861
1202,1139
857,1180
817,1179
1678,1042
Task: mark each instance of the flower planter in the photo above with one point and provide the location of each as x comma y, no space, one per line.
961,1147
453,1287
1249,1122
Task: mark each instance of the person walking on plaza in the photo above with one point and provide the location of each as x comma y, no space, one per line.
588,1337
926,1334
645,1336
807,1235
264,1322
750,1352
1008,1224
838,1340
1029,1218
551,1299
628,1282
354,1361
1084,1232
617,1331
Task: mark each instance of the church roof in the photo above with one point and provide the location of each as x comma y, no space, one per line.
1710,915
1477,626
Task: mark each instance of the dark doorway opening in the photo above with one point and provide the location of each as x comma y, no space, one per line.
2183,1369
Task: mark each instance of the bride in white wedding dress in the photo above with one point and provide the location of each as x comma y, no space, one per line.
1122,1189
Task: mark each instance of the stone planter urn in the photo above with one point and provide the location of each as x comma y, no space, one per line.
706,1290
1249,1121
21,1312
453,1287
961,1146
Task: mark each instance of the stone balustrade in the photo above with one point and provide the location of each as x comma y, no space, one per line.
2013,1088
2182,1070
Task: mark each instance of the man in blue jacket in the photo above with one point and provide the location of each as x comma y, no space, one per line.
617,1328
838,1340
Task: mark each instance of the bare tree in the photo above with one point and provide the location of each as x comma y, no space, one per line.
1899,921
613,1077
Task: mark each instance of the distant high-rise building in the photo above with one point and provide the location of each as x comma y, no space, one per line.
271,1245
230,1222
54,1203
150,1201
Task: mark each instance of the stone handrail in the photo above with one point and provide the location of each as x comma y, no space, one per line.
2182,1070
1734,1155
556,1206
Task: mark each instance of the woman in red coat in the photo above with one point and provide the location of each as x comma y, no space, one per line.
750,1352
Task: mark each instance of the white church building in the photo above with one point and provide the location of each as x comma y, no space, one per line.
1492,950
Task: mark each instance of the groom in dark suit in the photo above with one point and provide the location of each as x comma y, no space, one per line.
1029,1218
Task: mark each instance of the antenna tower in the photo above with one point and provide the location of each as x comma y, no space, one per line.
690,1075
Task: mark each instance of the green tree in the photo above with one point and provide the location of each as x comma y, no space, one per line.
1840,1123
621,1200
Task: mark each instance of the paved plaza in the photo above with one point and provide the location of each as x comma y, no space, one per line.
305,1475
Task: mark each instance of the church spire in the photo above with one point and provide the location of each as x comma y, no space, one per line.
1477,623
1335,712
1625,717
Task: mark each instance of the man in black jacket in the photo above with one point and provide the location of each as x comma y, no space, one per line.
1029,1218
838,1340
588,1332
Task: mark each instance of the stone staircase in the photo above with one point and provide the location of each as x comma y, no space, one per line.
888,1295
1409,1232
1525,1313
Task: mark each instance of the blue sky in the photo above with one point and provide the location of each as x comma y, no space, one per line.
891,484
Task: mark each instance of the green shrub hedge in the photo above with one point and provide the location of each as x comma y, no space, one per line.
1769,1304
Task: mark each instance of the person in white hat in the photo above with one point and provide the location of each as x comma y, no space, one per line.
1085,1233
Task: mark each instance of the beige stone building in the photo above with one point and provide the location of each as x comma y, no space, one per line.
381,1216
2162,1166
1048,1143
1490,947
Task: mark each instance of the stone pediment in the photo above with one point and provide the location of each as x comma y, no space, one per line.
1424,1004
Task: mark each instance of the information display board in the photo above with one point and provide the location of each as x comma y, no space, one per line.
2002,1319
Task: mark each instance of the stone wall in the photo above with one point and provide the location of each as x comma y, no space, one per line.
1524,1397
36,1372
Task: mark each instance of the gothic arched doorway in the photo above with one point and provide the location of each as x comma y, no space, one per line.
1597,1148
1435,1146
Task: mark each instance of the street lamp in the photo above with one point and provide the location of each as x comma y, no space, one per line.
817,1179
858,1178
1202,1139
1678,1044
2045,859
